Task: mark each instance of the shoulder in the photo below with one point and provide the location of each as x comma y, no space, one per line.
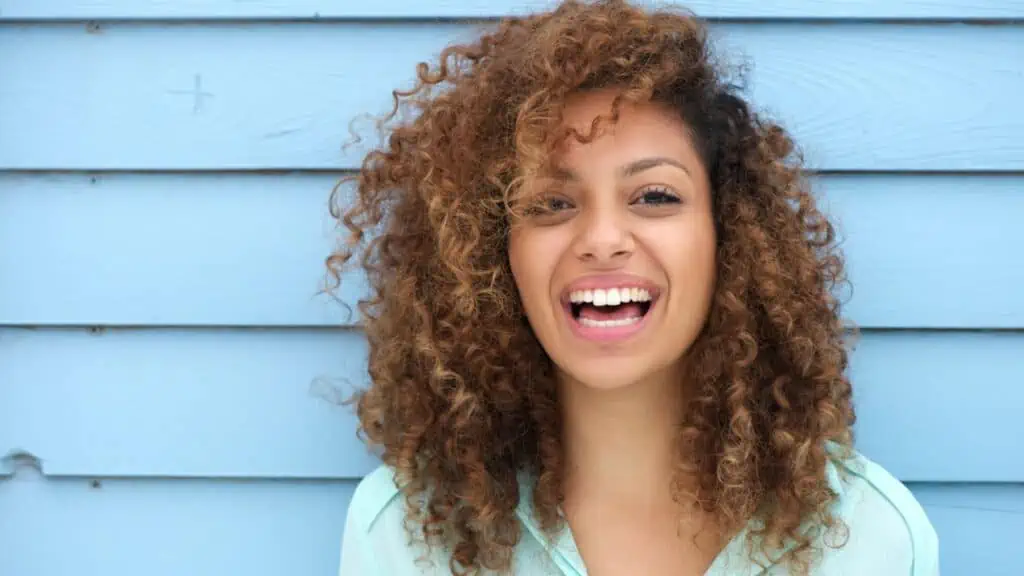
375,494
375,542
889,531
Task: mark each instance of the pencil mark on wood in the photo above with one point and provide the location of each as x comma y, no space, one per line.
289,126
199,96
280,133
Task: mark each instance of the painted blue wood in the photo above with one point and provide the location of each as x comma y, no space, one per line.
979,526
250,9
263,403
926,403
167,250
171,527
248,250
163,527
181,403
858,96
233,454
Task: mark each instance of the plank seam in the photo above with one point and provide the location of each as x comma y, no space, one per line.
101,329
317,19
349,171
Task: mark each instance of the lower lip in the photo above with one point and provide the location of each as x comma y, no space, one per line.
609,333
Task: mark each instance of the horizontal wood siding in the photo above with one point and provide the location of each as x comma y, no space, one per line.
248,250
170,378
860,97
247,403
418,9
171,527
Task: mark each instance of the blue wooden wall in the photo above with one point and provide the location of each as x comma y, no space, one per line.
168,373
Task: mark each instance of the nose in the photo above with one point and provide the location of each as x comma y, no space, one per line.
603,237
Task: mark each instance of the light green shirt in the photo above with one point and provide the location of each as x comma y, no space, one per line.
889,534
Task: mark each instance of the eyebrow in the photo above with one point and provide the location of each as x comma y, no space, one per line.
638,166
631,169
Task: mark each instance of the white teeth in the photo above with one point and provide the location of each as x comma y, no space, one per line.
626,295
613,297
610,296
609,323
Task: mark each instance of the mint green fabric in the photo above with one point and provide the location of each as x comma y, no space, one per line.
889,534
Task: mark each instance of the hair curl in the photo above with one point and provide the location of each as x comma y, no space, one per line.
461,394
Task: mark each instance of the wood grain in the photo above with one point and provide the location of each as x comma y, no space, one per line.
266,403
249,250
168,527
858,97
405,9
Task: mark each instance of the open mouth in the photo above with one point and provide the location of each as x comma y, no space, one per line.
612,312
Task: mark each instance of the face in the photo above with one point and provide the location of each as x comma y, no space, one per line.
615,258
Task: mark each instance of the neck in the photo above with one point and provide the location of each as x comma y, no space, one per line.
620,443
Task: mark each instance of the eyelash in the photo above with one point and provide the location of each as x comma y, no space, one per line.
551,206
664,195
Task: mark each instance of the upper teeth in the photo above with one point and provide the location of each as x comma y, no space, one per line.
610,296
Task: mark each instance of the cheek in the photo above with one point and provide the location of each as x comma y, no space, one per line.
530,268
688,253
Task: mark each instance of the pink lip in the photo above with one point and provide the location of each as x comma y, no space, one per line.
605,281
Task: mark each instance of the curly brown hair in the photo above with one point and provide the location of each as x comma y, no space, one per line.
462,396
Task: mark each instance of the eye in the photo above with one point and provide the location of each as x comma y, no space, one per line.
656,197
550,209
555,204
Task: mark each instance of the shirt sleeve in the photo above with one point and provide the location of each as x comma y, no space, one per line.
889,532
356,558
926,548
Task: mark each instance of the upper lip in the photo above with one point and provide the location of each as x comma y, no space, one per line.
604,281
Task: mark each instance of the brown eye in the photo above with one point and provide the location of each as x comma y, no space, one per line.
548,205
556,204
656,197
550,210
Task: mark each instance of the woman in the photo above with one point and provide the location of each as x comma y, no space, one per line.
602,332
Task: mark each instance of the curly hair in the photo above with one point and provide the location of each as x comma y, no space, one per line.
462,397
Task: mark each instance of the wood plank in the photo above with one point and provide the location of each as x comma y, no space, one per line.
404,9
916,248
211,527
167,250
248,250
214,527
179,403
979,526
139,96
263,403
917,393
172,527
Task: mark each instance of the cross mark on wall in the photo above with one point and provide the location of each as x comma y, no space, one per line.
199,96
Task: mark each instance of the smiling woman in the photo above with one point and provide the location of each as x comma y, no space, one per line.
602,331
628,211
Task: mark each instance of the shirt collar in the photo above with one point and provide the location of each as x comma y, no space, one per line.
734,560
562,547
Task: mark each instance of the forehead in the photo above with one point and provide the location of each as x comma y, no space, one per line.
643,129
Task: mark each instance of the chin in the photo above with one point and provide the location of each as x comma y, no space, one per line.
608,373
